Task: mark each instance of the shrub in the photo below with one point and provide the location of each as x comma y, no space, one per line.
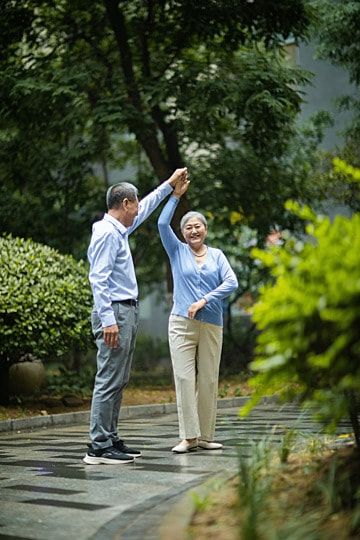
45,301
309,318
68,382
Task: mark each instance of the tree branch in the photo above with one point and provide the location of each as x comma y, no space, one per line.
145,132
168,129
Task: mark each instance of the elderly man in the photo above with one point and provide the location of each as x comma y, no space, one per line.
115,315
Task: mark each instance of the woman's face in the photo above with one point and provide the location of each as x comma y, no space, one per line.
194,232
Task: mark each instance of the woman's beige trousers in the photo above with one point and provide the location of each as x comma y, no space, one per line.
195,349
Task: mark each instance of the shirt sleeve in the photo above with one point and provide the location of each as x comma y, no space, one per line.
103,254
168,237
149,203
228,278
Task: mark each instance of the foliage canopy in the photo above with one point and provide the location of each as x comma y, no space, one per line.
154,83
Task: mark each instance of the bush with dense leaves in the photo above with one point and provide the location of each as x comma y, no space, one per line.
309,317
45,301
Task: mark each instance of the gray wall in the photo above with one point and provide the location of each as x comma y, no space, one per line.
329,83
154,313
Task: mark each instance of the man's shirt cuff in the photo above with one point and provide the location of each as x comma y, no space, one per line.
108,320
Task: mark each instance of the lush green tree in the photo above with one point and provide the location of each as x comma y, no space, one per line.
48,189
164,83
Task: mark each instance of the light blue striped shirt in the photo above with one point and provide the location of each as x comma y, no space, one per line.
112,274
214,280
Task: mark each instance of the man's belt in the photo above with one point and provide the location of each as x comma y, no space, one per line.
127,302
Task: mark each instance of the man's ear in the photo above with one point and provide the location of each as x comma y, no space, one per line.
125,203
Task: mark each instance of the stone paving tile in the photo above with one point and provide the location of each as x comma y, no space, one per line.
48,492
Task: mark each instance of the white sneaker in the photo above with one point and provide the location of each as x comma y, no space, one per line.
207,445
185,446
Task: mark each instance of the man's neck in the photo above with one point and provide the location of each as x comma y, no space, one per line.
117,214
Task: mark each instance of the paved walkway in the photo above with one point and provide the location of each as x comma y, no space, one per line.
48,492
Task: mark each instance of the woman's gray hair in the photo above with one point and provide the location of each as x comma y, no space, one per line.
118,192
191,215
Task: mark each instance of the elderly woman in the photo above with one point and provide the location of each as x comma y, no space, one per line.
202,278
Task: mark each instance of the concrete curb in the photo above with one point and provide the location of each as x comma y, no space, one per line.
81,417
133,411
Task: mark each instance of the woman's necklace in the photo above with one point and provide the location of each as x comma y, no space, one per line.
199,254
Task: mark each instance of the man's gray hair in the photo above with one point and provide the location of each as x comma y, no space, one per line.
191,215
118,192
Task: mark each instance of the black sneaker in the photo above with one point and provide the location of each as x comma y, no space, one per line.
121,446
108,456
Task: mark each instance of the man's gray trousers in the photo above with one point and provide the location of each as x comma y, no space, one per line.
113,372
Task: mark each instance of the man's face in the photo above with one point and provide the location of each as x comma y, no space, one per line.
131,209
194,233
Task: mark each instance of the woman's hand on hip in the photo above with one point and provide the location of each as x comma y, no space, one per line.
194,308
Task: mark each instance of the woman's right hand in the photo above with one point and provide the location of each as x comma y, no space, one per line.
181,186
195,307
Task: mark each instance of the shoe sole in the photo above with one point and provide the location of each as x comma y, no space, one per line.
93,460
127,453
211,449
185,451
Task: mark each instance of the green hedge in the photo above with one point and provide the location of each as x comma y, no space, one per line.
309,317
45,301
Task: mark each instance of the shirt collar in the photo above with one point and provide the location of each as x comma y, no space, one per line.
119,226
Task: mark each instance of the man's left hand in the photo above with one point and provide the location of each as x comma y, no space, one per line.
194,308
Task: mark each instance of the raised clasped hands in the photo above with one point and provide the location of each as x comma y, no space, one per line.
177,176
181,185
179,181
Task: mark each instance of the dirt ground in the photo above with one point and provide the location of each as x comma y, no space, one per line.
43,404
301,503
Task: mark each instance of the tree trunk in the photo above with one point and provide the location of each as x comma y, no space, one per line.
229,320
354,411
143,127
76,360
4,384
